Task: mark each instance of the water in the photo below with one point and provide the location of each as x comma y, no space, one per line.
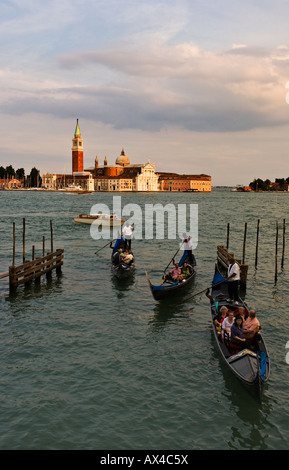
88,362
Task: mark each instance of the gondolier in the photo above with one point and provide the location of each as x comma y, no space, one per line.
188,246
233,280
127,235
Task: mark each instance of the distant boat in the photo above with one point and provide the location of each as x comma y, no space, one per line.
72,187
104,219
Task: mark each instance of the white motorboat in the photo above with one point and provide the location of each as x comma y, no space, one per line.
72,188
104,219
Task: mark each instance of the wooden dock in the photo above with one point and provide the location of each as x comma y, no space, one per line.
3,275
223,256
33,270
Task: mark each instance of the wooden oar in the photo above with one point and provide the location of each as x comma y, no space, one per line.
201,291
173,257
104,246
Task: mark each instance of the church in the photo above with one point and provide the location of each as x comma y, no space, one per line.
122,175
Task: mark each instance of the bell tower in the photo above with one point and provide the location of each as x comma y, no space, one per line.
77,150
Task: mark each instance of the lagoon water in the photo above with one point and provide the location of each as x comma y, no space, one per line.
91,363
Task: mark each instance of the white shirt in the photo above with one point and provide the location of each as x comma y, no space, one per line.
187,241
226,325
234,268
127,232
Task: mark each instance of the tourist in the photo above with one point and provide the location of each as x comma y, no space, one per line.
242,312
175,274
251,325
186,272
223,312
237,334
128,257
220,317
233,280
117,257
228,322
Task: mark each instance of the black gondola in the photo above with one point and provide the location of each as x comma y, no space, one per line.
168,288
121,269
250,366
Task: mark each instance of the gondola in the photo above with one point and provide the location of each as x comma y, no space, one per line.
121,270
167,288
250,366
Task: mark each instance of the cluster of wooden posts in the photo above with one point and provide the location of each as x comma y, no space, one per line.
33,269
223,253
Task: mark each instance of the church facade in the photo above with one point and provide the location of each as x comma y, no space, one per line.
122,176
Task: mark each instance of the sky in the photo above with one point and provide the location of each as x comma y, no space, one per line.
193,86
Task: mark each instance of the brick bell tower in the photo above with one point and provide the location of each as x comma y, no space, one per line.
77,150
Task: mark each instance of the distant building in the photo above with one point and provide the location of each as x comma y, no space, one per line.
54,181
175,182
12,183
121,176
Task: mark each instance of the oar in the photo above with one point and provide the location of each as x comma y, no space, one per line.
104,246
173,257
201,291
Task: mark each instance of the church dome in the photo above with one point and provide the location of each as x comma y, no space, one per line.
122,160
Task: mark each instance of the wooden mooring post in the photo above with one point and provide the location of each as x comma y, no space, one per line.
276,252
257,243
283,247
37,267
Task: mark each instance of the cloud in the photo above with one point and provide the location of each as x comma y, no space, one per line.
180,85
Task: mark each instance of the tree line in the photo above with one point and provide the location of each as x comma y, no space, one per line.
31,180
259,184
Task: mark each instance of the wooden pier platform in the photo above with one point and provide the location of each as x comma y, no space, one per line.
33,270
3,275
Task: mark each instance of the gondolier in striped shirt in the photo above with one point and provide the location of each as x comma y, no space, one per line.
233,280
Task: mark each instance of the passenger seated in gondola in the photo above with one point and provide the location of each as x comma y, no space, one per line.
251,325
117,257
242,312
127,257
174,274
186,271
228,322
223,312
220,317
237,334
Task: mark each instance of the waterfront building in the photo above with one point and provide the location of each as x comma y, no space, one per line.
175,182
54,181
12,183
122,175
